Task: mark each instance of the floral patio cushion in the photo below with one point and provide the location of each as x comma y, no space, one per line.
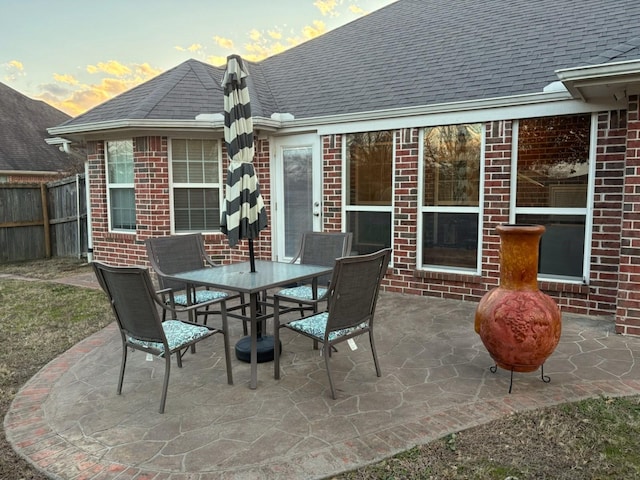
202,296
177,333
316,325
302,292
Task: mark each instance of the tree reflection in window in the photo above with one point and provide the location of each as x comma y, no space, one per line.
452,165
370,160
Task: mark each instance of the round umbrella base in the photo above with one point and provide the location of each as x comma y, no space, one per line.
265,349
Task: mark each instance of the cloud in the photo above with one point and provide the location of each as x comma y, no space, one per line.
14,69
217,60
193,48
327,7
116,79
315,30
70,79
223,42
16,64
112,67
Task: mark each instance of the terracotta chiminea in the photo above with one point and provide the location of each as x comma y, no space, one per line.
519,325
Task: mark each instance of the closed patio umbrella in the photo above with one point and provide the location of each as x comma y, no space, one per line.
243,213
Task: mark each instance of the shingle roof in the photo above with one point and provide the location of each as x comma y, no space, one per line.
23,129
409,53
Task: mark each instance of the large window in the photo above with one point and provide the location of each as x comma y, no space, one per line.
196,185
369,186
552,184
120,189
451,196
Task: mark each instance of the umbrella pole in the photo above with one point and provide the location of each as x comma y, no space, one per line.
252,258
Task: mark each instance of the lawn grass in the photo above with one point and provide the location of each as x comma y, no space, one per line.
39,320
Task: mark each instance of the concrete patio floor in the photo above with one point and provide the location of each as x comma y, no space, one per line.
69,422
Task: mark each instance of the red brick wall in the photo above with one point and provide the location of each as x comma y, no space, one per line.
332,183
628,306
153,212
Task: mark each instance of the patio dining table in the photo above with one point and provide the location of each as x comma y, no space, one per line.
237,277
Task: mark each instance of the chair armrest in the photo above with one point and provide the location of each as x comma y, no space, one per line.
160,296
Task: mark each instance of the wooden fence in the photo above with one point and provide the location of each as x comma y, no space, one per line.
43,220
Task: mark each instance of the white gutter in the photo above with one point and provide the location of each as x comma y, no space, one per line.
600,72
159,124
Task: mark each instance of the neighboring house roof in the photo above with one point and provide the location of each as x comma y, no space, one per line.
23,130
410,53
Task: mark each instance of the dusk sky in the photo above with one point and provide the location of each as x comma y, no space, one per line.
75,54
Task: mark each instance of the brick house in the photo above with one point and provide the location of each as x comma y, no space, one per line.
420,126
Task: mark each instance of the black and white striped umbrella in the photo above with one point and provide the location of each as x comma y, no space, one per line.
243,213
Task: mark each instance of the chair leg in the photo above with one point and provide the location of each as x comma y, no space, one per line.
327,353
122,366
375,355
205,315
276,338
179,357
225,335
165,385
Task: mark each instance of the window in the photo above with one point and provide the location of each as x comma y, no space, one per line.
552,170
451,196
120,189
196,185
369,181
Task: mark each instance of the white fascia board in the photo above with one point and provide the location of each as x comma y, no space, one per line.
503,108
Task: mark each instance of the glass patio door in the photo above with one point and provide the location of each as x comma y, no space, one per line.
297,192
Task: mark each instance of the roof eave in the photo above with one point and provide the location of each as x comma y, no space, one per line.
434,109
610,80
81,130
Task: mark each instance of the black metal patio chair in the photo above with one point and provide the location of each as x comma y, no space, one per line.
316,248
181,253
351,303
135,305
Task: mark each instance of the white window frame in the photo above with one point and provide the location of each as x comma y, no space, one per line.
119,186
587,211
220,185
479,210
346,208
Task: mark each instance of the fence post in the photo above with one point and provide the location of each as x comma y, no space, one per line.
45,220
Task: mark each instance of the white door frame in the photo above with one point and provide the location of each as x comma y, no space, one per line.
278,227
